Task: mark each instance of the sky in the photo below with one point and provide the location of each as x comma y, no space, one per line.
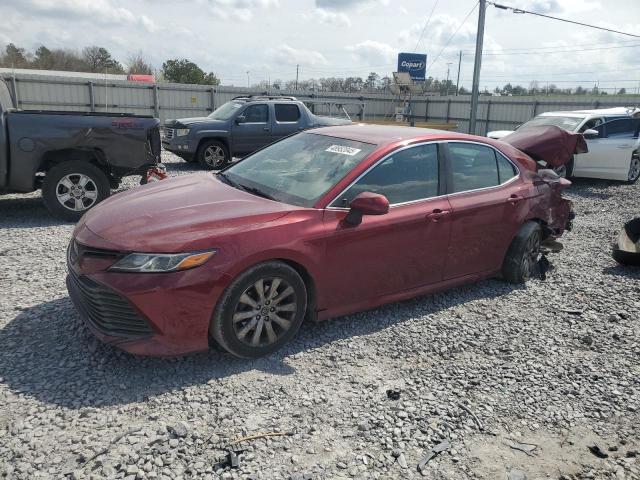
268,38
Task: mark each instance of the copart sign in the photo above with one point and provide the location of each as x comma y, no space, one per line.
415,64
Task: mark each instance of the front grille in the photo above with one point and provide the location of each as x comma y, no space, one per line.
77,251
106,310
169,133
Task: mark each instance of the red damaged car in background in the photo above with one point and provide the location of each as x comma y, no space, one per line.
323,223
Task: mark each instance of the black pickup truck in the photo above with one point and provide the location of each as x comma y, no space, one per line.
76,158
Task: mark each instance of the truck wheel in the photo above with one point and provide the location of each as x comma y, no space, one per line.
522,257
71,188
213,155
260,311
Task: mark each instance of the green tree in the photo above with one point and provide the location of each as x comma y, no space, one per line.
15,57
622,91
98,59
44,58
185,71
372,81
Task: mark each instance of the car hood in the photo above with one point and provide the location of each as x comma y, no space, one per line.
187,122
319,121
185,213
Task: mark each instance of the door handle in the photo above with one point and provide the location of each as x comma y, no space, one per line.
513,199
266,129
625,146
437,214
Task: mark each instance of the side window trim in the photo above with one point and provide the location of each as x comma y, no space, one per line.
441,188
496,152
256,105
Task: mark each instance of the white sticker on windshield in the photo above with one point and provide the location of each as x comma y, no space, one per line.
343,150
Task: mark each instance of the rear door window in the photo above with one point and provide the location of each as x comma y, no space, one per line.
287,112
617,128
472,167
506,169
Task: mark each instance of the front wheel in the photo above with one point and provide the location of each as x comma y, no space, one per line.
565,171
213,155
71,188
260,311
634,169
522,257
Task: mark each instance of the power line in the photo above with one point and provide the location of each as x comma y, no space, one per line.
453,35
425,26
559,51
519,10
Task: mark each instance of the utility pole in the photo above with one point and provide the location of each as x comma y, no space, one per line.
297,72
458,79
448,64
476,68
248,79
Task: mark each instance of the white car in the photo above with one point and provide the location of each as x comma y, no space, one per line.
612,139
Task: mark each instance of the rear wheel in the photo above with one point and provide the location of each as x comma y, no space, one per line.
213,155
521,260
71,188
634,169
260,311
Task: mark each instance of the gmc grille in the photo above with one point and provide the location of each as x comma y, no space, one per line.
169,133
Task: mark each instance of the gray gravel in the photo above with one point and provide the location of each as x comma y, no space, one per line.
554,364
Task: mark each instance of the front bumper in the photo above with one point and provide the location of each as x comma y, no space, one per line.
179,145
163,314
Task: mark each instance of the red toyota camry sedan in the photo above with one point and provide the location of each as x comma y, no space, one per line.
323,223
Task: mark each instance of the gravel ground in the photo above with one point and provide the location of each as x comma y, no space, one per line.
488,367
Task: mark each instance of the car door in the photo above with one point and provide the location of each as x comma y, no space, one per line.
251,129
287,120
397,251
487,204
609,155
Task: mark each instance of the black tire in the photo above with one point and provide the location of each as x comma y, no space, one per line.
521,259
213,155
95,190
228,333
634,169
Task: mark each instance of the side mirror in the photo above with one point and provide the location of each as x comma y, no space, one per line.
241,119
591,133
366,203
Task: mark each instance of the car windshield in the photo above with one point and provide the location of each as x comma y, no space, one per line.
300,169
226,111
568,123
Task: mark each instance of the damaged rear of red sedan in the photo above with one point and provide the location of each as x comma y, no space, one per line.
324,223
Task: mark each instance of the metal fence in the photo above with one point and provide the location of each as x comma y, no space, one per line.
169,100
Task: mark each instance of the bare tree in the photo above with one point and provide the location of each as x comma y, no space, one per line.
137,64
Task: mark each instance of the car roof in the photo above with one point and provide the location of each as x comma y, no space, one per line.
386,134
263,98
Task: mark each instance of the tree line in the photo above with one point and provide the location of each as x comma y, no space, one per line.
98,59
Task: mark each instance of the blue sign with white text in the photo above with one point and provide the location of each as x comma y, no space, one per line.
413,63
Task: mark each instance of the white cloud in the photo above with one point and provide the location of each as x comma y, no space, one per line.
372,52
347,4
102,12
240,10
557,6
285,54
327,17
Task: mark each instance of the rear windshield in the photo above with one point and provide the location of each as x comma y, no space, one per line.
300,169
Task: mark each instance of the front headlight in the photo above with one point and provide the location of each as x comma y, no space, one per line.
181,132
161,262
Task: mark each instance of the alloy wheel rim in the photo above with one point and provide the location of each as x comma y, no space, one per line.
634,169
76,192
530,257
265,312
214,156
